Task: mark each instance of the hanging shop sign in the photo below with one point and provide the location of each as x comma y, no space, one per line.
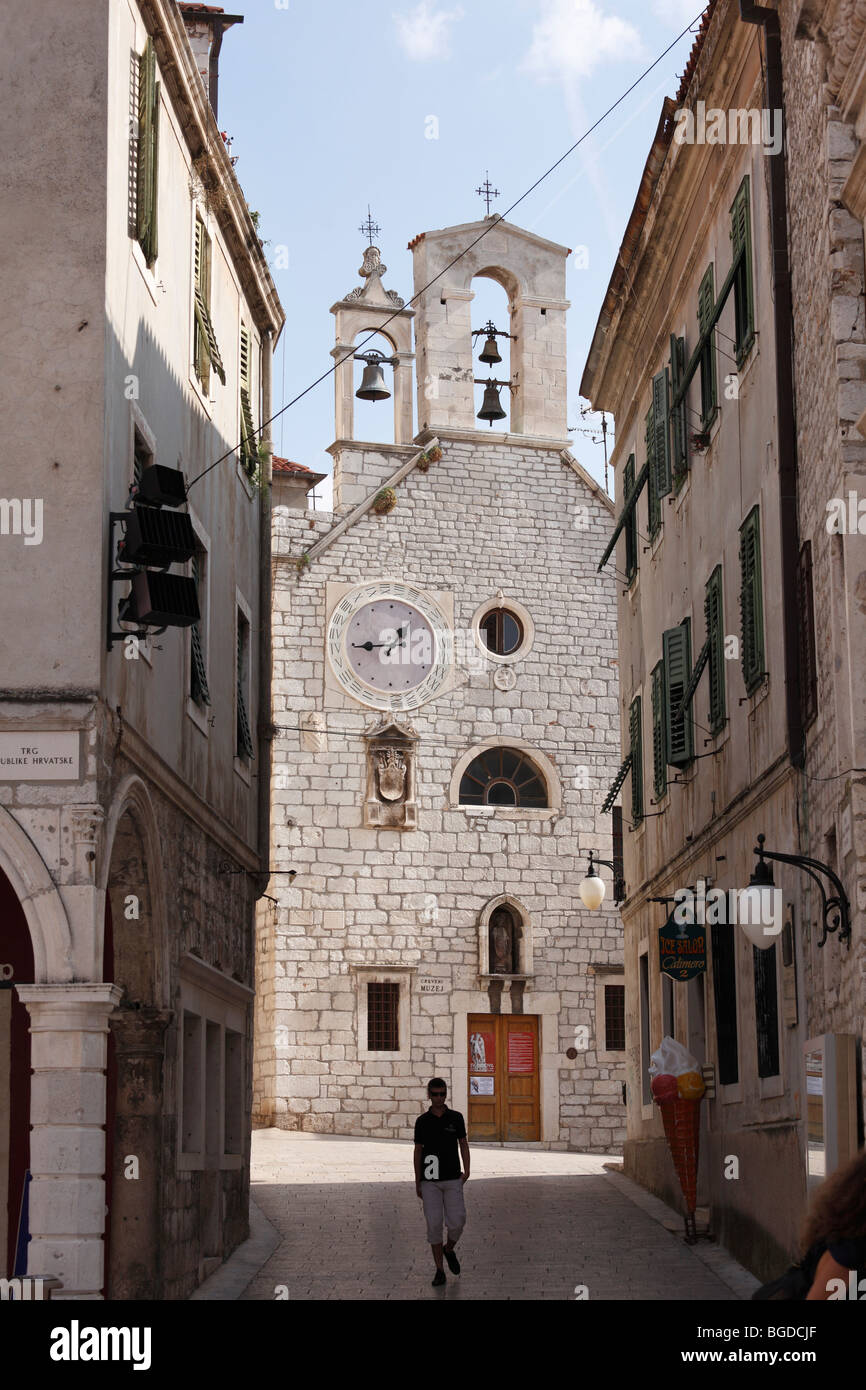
682,949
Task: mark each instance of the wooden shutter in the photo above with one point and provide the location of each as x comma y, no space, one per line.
714,614
751,602
206,351
631,523
662,439
616,842
725,1000
660,769
625,515
676,656
766,1010
806,636
613,793
199,691
248,451
244,736
636,755
706,305
741,248
680,444
148,153
654,509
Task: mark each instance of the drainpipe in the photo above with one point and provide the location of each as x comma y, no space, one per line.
752,13
266,728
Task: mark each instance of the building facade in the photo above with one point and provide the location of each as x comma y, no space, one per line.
132,827
696,356
444,698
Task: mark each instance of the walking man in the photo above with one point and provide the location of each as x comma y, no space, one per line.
438,1180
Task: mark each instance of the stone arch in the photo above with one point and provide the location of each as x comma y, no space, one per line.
542,762
40,901
523,929
132,867
492,303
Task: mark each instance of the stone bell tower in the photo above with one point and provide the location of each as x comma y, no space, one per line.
367,309
532,272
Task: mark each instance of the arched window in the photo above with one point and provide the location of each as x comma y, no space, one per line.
491,305
502,777
504,940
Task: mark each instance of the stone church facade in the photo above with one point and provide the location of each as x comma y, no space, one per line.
446,726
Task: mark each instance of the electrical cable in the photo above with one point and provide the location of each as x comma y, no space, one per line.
500,217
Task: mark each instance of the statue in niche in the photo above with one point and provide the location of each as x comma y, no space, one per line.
503,942
390,796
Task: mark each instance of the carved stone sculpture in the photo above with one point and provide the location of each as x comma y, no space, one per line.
390,794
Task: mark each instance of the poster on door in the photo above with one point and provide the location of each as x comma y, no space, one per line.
482,1053
481,1086
521,1054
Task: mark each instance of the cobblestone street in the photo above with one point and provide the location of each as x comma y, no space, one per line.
538,1225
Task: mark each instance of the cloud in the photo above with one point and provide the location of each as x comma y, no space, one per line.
678,13
575,36
424,33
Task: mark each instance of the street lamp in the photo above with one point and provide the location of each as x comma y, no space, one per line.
592,889
836,910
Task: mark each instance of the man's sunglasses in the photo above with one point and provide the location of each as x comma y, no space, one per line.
434,1094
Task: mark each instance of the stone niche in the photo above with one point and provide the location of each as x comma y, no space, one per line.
390,796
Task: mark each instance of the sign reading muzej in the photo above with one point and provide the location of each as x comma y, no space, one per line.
682,949
40,757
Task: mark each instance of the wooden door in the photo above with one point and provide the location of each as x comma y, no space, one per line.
504,1102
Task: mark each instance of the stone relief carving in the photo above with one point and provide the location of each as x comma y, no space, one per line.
390,794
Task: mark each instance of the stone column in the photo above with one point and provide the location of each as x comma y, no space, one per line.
403,431
69,1043
344,390
139,1036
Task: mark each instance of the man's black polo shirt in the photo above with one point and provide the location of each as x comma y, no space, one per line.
438,1138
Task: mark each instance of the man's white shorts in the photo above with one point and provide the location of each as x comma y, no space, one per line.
443,1201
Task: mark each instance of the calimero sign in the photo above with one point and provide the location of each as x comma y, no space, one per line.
682,949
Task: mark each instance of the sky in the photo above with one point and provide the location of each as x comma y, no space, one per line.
334,106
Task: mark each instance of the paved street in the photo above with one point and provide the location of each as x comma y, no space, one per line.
538,1224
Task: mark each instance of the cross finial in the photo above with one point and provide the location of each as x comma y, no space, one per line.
487,191
370,229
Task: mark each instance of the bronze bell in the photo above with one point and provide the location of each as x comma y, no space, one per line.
373,386
490,407
490,354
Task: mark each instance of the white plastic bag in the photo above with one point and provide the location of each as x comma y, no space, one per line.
672,1059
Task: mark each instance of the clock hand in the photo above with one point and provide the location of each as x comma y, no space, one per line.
400,640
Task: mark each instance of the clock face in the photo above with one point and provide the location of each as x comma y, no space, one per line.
390,646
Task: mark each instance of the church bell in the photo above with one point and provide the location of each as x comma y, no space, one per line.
490,355
372,386
490,407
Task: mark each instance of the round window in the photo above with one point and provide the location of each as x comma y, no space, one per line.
501,631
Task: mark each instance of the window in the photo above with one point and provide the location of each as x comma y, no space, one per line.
660,765
502,777
146,162
661,435
741,248
669,1013
233,1107
216,1012
646,1093
766,1010
244,738
631,523
680,449
206,354
618,866
635,739
614,1018
142,456
751,602
383,1001
806,636
725,997
654,506
502,631
713,612
248,450
677,662
198,686
706,306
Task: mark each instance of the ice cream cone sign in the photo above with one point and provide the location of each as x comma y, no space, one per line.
677,1087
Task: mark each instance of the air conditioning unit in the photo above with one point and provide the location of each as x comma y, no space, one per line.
161,600
156,537
161,487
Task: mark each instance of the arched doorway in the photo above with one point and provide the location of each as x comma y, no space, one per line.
16,967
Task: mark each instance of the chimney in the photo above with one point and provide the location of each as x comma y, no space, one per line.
205,26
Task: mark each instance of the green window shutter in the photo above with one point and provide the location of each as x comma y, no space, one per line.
616,784
741,249
244,737
706,305
631,523
714,613
660,769
680,446
636,755
751,602
206,352
662,440
148,153
627,515
248,450
676,655
654,506
198,670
